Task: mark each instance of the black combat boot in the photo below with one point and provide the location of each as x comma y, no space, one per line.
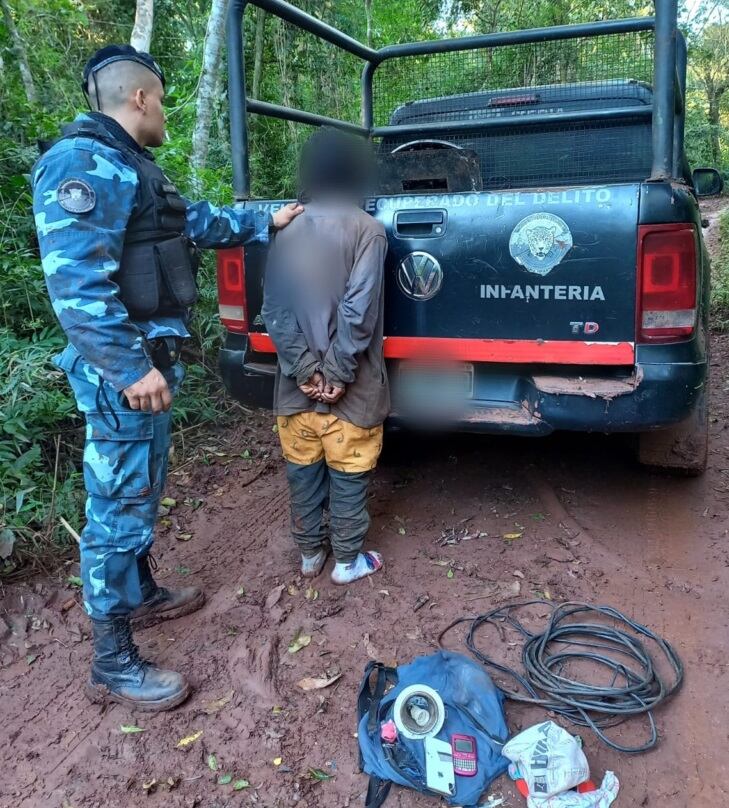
118,672
161,603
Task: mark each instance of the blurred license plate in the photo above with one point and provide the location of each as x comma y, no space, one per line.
429,382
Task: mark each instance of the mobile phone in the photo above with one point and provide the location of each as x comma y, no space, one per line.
465,759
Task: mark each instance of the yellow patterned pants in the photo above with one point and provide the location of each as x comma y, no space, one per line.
309,437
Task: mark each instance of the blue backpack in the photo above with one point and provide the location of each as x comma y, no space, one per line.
473,706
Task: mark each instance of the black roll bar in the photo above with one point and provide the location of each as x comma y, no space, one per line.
667,110
664,89
496,40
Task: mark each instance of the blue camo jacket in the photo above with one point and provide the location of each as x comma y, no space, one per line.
80,253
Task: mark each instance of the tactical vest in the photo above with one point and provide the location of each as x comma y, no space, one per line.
158,269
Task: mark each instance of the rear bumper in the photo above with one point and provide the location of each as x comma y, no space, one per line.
519,399
537,402
248,378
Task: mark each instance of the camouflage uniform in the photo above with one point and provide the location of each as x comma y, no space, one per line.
125,456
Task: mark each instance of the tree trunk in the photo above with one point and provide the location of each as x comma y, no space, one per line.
258,53
143,22
715,121
21,54
223,129
282,44
368,16
206,90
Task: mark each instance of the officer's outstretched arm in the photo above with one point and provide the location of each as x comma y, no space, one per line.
83,195
214,227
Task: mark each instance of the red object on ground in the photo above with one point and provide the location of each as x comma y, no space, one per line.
582,788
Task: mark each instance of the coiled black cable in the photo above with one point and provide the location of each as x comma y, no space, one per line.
636,687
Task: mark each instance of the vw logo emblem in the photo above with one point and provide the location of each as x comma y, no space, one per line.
419,276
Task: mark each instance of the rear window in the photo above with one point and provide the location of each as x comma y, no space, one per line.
549,156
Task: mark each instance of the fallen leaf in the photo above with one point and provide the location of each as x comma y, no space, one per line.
292,590
515,588
372,652
450,573
168,502
274,596
31,658
7,541
166,522
183,743
298,642
212,763
150,785
274,428
130,729
401,531
277,761
68,604
319,776
384,592
241,593
182,570
277,710
512,536
239,785
311,593
183,536
224,779
74,580
309,683
518,574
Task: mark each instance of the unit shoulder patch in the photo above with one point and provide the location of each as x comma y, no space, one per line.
76,196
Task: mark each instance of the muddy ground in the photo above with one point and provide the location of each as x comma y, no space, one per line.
586,524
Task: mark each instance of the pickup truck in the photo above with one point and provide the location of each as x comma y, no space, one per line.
546,269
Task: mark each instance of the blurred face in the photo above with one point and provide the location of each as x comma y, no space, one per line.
152,117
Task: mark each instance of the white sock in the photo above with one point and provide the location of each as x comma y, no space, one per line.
311,566
365,564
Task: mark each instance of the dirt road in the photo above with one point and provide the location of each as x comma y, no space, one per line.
585,524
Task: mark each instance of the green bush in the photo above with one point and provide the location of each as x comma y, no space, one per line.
720,278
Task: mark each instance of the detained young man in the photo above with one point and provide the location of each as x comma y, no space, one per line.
323,308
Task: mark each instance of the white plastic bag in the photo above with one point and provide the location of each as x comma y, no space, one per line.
602,798
549,759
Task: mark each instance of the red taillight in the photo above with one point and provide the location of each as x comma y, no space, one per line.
666,282
232,303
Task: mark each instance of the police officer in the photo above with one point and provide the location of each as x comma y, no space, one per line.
117,243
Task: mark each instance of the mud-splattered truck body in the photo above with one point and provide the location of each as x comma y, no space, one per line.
546,269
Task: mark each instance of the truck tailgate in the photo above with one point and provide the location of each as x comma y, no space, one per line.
496,273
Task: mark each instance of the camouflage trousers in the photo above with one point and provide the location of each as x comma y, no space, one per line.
125,467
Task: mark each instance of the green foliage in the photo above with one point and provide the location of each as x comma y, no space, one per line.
720,277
